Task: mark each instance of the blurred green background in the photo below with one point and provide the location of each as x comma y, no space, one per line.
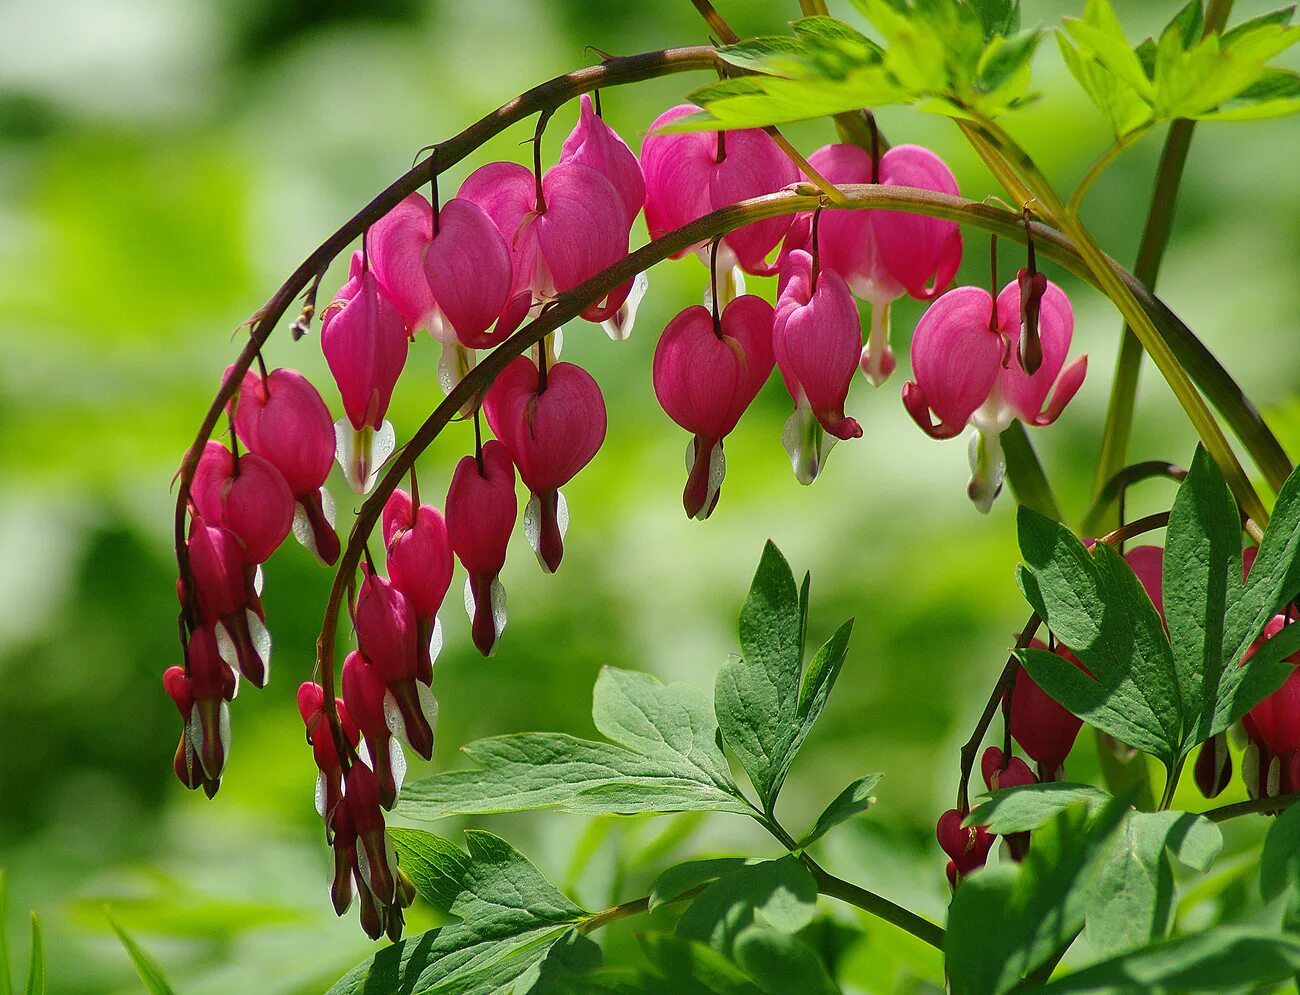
165,163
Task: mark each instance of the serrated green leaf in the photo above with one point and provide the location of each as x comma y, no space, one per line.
1096,606
1275,94
1184,28
1003,59
1122,106
1006,921
675,882
853,800
669,761
1279,863
508,918
764,711
1201,584
151,975
1219,960
778,893
692,967
998,17
1024,808
1131,897
780,963
1100,35
36,961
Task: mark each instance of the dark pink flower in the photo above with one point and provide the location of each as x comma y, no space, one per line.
690,174
329,781
551,431
968,846
283,419
227,600
419,563
1043,728
967,366
365,692
481,513
250,498
200,691
705,375
595,144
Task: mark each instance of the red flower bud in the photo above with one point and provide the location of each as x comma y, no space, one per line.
1044,729
419,563
968,846
329,782
481,512
251,499
365,692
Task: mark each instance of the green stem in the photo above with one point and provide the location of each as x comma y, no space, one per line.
1121,482
1151,251
635,907
1171,787
845,891
1025,473
1277,803
1124,299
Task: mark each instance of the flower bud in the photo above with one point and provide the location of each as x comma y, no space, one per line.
551,431
364,689
968,846
365,342
595,144
690,174
1001,772
481,513
329,780
223,588
250,498
1043,728
375,859
283,419
705,376
419,563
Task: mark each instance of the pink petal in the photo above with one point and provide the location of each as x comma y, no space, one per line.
594,143
1027,393
468,270
921,253
955,358
583,229
396,245
676,169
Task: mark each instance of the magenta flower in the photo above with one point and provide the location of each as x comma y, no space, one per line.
551,430
329,780
365,693
966,362
706,373
365,340
201,690
883,255
968,846
454,280
419,563
691,174
387,636
250,498
481,512
595,144
816,338
577,228
283,419
224,588
361,796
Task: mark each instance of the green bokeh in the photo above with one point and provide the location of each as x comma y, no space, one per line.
165,163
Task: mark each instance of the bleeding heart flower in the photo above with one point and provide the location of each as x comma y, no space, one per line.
1001,772
883,255
560,236
329,780
595,144
224,588
365,692
361,796
250,498
815,339
481,512
691,174
1043,728
365,341
706,373
283,419
387,634
968,846
551,429
966,362
201,690
419,563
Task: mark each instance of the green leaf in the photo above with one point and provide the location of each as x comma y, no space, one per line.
778,893
1275,94
1005,921
667,760
1004,59
1279,863
675,882
36,964
1201,582
999,17
570,958
780,963
1122,106
1131,898
1096,606
764,712
853,800
1184,28
508,918
1215,961
693,967
1024,808
146,967
1100,35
